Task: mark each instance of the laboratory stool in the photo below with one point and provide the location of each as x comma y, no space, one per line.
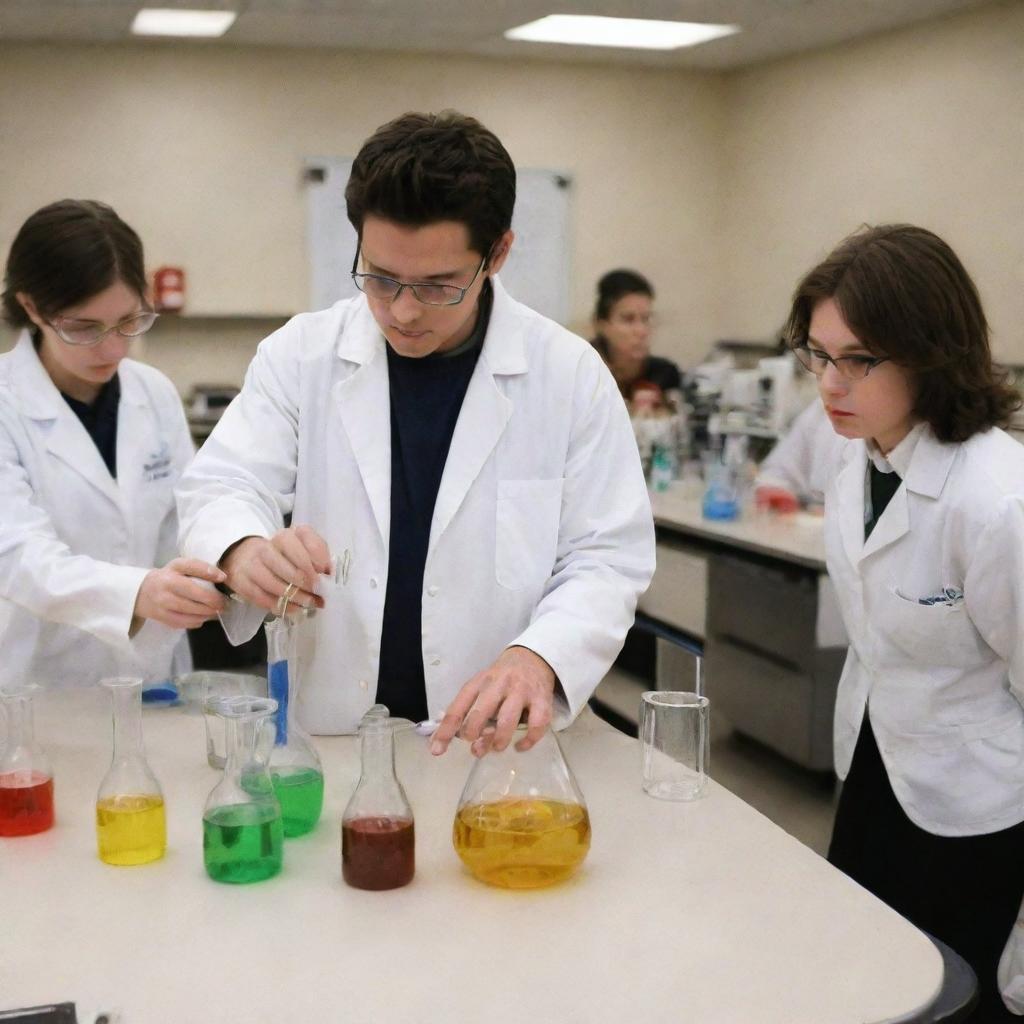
958,995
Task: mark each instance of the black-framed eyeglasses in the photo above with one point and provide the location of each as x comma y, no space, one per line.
387,289
850,367
86,333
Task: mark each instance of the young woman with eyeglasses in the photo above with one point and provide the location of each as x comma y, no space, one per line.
91,444
924,528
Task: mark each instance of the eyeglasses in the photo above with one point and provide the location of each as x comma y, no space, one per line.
388,289
83,332
850,367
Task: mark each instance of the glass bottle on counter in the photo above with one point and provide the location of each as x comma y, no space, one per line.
378,839
26,779
131,824
243,837
295,768
522,822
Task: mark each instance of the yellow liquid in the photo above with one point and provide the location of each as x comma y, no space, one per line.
131,829
522,843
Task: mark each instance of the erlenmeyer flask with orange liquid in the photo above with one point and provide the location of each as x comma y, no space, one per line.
522,822
26,780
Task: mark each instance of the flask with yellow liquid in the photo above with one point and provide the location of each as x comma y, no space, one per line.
522,822
131,826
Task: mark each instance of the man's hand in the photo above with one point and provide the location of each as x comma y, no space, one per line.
173,596
262,571
519,681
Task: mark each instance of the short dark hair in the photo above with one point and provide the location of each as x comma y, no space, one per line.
421,169
67,252
907,297
615,285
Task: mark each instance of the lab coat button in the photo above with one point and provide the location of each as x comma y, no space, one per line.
373,582
435,661
433,591
362,684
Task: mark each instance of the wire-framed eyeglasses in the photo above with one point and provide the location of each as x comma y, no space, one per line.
88,333
387,289
850,367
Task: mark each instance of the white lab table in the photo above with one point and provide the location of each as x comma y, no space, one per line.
704,913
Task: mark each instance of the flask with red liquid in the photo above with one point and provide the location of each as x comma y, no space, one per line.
26,779
378,845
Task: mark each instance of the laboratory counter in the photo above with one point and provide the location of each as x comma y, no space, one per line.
701,912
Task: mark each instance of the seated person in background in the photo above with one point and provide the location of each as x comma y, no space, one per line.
797,470
622,325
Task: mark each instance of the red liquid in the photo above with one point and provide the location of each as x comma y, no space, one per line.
378,853
26,803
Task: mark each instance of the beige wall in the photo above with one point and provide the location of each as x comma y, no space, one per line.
722,189
200,148
924,125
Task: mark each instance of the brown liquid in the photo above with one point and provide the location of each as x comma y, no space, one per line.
522,843
378,853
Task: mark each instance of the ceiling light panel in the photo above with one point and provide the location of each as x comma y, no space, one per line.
627,33
162,21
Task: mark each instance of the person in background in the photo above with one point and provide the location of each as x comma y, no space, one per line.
924,536
623,317
91,445
461,467
795,473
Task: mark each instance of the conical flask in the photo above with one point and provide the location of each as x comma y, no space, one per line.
26,779
295,768
243,838
378,838
522,822
131,825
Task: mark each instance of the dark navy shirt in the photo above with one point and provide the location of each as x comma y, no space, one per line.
100,419
426,397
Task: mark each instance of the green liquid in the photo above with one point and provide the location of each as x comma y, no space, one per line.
300,792
242,843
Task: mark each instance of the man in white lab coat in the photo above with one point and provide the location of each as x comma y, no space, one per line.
470,515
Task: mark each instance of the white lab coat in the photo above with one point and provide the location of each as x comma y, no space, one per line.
542,533
806,457
74,543
945,682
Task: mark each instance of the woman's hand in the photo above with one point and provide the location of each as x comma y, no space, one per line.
175,596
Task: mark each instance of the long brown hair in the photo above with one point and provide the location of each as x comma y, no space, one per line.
907,297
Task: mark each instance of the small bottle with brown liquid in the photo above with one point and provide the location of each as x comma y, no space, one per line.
522,822
378,847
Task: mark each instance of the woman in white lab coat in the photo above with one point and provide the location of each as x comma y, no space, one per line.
91,444
924,529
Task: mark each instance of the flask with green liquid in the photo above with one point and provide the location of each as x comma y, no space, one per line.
243,837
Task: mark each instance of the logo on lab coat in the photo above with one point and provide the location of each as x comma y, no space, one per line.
158,464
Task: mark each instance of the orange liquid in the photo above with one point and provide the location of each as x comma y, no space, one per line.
522,843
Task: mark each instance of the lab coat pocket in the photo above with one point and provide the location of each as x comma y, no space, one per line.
526,531
937,634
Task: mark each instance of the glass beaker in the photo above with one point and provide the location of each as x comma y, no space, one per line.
209,686
378,837
131,824
243,839
295,768
522,821
26,779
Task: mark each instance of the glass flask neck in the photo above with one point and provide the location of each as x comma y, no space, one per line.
127,700
20,721
377,752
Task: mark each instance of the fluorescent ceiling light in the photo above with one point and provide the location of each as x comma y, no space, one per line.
162,21
629,33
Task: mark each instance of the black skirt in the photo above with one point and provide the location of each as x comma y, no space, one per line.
964,890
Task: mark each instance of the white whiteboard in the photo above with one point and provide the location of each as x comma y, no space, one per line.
537,270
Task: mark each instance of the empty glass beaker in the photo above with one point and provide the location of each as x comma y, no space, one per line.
295,768
522,821
131,825
26,779
243,839
378,838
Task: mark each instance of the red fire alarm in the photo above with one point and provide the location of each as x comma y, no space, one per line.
169,289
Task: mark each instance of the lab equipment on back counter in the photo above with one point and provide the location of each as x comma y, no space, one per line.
26,779
204,407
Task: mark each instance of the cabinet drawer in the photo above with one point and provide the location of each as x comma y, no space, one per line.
678,592
772,609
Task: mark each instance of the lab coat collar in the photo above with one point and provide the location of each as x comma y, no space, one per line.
39,399
930,464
